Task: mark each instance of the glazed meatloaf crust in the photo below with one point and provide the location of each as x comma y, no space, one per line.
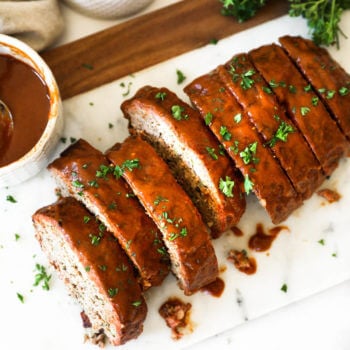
302,104
192,152
231,125
330,80
96,271
85,173
187,238
279,132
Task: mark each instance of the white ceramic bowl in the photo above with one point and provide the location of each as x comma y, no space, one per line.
108,9
39,156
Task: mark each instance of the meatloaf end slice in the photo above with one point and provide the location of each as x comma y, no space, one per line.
85,173
279,132
330,80
185,235
302,104
179,135
94,268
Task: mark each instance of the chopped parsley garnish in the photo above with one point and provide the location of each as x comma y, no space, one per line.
248,184
237,118
314,101
42,277
343,91
304,111
93,183
234,147
273,83
284,288
321,241
180,76
247,82
95,240
112,292
213,41
17,236
110,126
160,199
102,267
86,219
88,66
226,135
127,92
267,90
330,94
20,298
103,171
241,10
307,88
208,118
226,186
87,268
129,164
160,95
281,134
77,184
211,152
177,112
11,199
248,154
292,89
136,303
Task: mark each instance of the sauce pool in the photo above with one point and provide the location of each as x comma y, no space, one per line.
215,288
27,96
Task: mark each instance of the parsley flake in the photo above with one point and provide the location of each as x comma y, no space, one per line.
180,76
226,186
226,135
248,184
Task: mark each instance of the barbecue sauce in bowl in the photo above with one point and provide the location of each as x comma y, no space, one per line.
27,96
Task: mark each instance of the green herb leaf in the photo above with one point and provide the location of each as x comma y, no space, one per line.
304,111
284,288
20,298
248,184
208,118
177,112
180,76
42,277
11,199
248,154
211,152
226,186
242,10
160,95
226,135
281,134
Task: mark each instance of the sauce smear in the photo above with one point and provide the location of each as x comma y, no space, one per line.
261,241
27,96
242,261
215,288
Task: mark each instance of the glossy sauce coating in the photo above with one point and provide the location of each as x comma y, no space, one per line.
220,211
261,105
270,184
309,114
78,166
27,96
105,262
325,74
184,233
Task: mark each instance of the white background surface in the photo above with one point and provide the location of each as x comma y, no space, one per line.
321,321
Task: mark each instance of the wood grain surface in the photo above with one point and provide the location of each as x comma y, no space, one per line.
146,40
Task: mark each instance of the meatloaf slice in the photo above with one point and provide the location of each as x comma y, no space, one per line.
330,80
187,238
231,125
192,152
279,133
85,173
96,271
302,104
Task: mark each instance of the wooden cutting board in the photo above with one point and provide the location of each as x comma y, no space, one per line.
141,42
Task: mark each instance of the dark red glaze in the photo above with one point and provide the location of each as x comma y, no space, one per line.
215,288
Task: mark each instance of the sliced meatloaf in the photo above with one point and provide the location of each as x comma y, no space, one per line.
231,125
192,152
187,238
96,271
85,173
330,80
279,133
302,104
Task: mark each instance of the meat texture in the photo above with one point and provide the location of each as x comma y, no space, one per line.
187,238
96,271
231,125
330,81
279,133
195,157
302,104
85,173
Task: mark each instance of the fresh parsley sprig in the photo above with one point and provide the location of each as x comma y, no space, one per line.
322,16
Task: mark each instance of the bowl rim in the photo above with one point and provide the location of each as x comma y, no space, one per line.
25,53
